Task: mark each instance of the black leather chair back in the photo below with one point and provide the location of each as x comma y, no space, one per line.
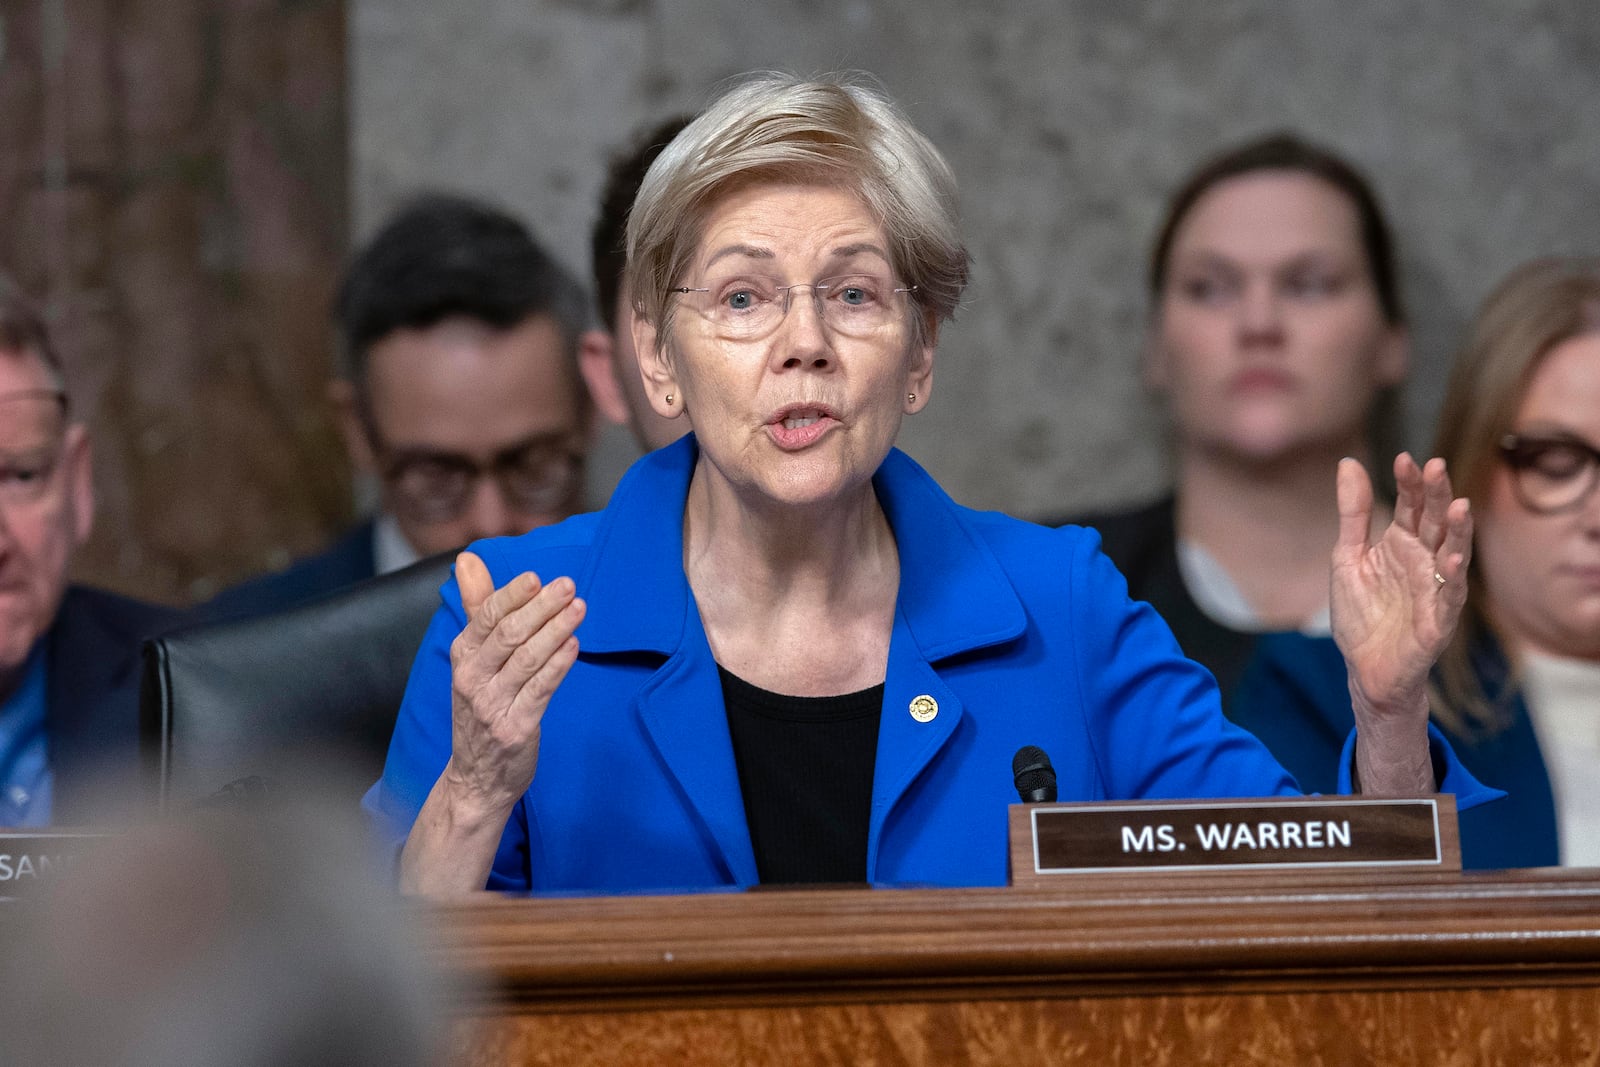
277,702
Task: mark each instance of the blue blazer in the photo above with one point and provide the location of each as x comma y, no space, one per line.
1295,697
1020,635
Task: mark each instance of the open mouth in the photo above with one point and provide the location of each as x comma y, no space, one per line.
801,426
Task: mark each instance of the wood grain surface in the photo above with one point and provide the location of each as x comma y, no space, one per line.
1431,969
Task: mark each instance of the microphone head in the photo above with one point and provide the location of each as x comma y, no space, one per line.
1035,778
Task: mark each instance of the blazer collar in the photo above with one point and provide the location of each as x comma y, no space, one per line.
954,596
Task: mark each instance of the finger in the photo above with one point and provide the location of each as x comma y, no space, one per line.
504,602
1354,492
535,694
529,655
472,578
1408,493
520,627
485,617
1456,552
1435,504
489,679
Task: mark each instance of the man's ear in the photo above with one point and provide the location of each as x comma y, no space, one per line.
660,377
347,413
78,457
599,370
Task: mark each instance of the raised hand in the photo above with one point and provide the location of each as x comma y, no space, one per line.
505,665
1395,602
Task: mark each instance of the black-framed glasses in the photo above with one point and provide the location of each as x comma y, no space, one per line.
30,454
542,475
748,307
1550,473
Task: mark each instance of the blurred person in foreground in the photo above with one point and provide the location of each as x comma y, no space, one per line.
1519,685
1277,337
69,655
801,661
252,938
610,365
461,395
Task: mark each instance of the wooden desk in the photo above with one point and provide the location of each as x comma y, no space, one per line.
1458,969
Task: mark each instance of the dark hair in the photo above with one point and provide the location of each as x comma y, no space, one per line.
1285,151
444,256
609,239
22,331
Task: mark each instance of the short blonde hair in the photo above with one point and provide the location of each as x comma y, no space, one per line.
1537,307
836,130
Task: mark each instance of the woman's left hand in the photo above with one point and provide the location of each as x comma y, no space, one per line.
1394,603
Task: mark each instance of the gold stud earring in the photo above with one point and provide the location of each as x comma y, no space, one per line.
912,397
669,399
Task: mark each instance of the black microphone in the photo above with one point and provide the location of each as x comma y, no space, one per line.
1035,778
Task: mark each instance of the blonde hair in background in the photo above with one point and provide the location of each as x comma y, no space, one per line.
1537,307
836,130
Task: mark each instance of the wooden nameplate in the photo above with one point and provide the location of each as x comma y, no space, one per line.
1240,835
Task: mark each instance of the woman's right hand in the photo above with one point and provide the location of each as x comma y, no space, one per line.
505,666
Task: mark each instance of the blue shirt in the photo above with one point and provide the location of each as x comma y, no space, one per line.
26,783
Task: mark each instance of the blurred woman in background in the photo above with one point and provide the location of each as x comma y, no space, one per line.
1519,685
1277,338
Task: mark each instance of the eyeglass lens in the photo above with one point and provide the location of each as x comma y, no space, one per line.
751,306
1551,473
539,478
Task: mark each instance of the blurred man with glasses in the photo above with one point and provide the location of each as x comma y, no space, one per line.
461,396
69,655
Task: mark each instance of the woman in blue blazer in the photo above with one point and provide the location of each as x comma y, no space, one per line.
800,660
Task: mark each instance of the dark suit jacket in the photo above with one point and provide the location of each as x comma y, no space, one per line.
348,561
93,703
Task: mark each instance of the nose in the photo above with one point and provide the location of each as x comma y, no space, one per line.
1260,314
803,341
488,512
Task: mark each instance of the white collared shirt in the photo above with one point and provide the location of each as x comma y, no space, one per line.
1217,596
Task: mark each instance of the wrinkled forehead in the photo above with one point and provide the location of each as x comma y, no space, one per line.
778,224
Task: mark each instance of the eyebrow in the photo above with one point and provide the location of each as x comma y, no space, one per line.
748,251
1546,430
28,453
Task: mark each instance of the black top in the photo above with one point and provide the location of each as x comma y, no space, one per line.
805,769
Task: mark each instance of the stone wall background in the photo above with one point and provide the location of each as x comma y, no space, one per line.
1067,122
179,180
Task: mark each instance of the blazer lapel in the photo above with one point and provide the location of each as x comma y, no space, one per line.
683,712
920,715
639,600
954,598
